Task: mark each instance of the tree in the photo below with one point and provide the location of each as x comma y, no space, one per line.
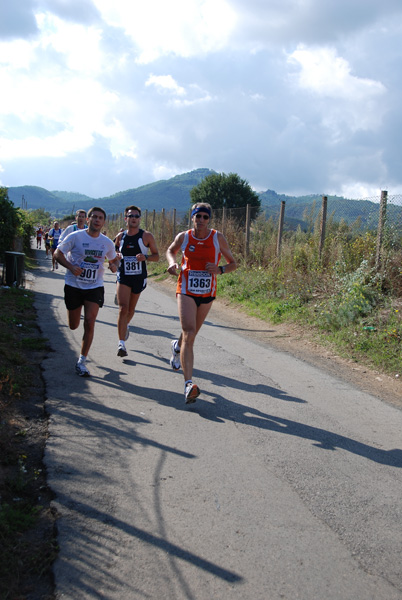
40,216
9,222
225,191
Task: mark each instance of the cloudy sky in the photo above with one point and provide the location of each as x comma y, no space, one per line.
298,96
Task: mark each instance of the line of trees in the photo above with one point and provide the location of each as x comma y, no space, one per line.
16,226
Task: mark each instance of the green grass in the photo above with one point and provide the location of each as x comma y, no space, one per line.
26,551
353,314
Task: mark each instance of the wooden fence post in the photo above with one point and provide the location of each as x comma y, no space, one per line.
153,221
163,231
146,219
380,231
223,219
280,228
323,223
247,238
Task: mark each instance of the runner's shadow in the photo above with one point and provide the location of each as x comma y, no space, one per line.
227,382
220,410
207,322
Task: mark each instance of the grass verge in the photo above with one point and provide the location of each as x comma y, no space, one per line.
355,318
27,523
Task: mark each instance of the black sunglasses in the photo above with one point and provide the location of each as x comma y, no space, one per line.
133,216
203,215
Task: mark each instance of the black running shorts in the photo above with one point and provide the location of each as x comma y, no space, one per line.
75,297
202,299
135,282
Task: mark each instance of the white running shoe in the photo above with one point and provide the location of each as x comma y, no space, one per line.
121,350
127,333
191,392
175,358
81,369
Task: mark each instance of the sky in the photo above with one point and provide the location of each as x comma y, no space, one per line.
296,96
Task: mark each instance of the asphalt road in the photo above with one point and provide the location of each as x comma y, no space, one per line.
280,482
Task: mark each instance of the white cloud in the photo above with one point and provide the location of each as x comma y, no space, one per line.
326,74
77,45
345,102
182,27
294,95
77,109
16,54
165,83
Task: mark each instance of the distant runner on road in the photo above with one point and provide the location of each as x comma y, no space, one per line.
133,245
54,236
39,234
83,254
201,249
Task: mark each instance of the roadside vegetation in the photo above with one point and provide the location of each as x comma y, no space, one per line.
340,297
27,523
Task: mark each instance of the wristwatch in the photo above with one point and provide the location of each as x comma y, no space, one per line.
222,269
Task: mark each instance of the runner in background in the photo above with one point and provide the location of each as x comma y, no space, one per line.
201,249
54,236
83,254
81,218
47,242
39,234
133,245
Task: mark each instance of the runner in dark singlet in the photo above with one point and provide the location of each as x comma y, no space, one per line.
135,247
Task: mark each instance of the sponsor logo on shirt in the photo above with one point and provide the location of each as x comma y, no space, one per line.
93,253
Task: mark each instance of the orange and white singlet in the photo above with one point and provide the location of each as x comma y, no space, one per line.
194,280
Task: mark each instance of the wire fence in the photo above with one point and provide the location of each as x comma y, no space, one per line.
253,230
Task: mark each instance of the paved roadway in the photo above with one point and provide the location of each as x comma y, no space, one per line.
281,482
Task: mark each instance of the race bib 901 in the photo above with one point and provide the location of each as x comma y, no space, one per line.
89,272
199,282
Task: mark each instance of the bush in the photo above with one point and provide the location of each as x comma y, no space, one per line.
357,295
9,222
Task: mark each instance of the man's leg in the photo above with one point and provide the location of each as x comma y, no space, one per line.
191,319
124,300
91,310
200,318
74,317
131,309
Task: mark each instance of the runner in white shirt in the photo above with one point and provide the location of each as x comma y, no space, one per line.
81,217
83,254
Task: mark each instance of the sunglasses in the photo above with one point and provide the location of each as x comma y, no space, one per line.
202,215
133,216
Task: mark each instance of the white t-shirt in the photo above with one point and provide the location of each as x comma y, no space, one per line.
89,253
68,230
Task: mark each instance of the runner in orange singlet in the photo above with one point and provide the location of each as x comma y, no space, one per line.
201,249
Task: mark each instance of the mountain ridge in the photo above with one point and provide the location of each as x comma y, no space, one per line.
175,193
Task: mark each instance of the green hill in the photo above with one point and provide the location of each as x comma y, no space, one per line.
34,197
302,210
175,193
168,194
